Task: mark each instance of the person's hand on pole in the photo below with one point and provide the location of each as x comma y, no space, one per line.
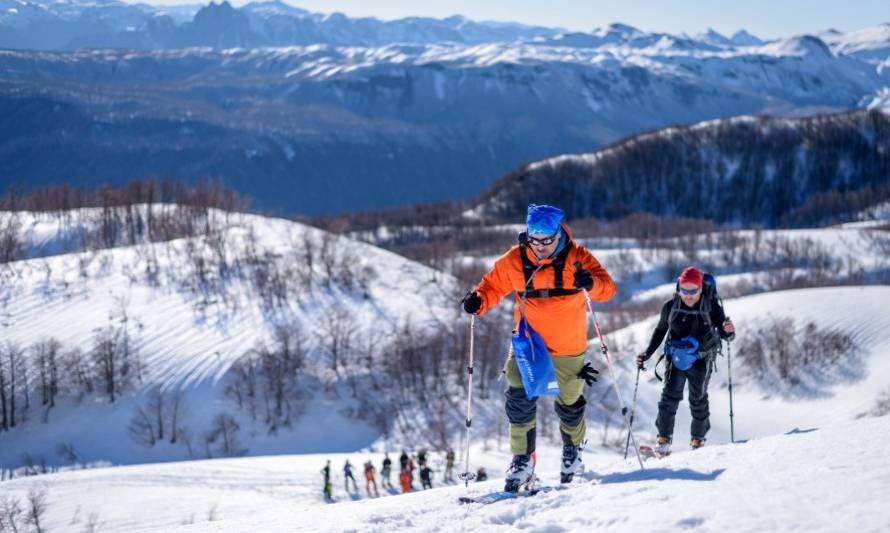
472,302
642,357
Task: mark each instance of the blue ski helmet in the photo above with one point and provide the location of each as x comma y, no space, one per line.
543,219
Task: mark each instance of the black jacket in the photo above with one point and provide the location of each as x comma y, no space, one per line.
686,325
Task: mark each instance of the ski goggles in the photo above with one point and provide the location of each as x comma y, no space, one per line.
546,241
689,292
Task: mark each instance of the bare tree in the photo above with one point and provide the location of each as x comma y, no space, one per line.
10,514
11,248
66,451
14,374
224,431
78,369
45,354
37,505
336,335
106,357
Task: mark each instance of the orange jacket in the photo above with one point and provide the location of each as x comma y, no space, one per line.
405,481
560,320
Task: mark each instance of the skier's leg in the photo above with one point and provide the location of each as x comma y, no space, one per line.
570,403
569,407
521,412
698,399
671,395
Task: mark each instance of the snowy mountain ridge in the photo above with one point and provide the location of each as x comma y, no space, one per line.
52,25
401,110
764,170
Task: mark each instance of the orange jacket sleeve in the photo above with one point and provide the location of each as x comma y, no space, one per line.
496,283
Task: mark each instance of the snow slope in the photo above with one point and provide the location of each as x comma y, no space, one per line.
189,340
801,456
818,478
860,311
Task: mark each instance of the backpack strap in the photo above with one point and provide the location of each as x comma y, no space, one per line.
559,262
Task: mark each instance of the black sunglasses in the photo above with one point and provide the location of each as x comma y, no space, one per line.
546,241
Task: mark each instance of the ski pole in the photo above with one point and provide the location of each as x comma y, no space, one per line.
729,376
605,350
633,409
467,476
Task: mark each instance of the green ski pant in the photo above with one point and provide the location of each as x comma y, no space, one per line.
569,404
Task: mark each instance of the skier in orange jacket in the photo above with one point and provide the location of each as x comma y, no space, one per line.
405,481
551,271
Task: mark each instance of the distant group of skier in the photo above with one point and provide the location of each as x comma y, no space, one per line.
554,279
408,465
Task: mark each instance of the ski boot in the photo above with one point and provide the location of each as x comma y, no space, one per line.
696,443
661,449
571,463
520,473
664,446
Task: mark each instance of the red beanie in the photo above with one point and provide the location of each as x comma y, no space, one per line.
691,275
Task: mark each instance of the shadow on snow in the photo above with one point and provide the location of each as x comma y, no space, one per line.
661,474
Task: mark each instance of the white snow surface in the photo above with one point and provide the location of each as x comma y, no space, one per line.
813,478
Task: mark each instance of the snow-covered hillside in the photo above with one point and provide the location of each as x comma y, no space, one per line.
852,388
189,318
782,437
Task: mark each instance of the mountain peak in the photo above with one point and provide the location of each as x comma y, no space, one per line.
743,38
623,28
800,46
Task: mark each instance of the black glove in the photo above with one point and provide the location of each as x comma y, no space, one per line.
642,358
583,278
588,373
472,302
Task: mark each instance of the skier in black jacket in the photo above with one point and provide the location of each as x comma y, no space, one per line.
328,489
385,471
426,477
695,326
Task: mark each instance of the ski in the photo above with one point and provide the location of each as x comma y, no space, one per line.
501,495
649,452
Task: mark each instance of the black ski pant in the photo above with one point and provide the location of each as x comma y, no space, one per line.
672,394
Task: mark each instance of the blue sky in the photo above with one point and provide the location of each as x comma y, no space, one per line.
773,18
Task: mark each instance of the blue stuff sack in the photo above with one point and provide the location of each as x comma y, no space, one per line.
534,363
683,352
